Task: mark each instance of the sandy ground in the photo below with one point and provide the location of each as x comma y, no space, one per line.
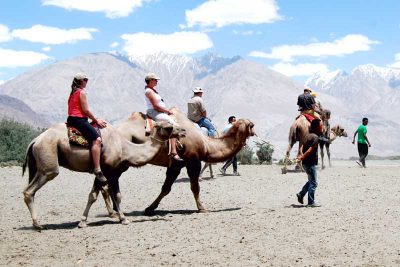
254,220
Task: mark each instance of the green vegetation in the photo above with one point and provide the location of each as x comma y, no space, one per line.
264,152
15,138
245,156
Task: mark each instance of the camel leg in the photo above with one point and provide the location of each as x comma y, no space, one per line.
29,193
204,168
329,154
106,196
193,168
287,155
211,171
172,174
321,145
116,196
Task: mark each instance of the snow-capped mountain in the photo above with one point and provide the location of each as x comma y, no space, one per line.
233,86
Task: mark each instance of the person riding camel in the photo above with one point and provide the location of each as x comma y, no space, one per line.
307,104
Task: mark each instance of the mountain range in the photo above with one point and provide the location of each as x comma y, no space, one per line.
233,86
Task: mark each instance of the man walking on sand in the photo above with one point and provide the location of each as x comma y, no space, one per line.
362,142
309,158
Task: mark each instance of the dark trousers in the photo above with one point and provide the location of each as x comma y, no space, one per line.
362,152
232,161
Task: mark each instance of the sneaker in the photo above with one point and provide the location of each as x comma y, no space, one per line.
236,174
314,205
100,176
359,163
222,171
175,157
300,198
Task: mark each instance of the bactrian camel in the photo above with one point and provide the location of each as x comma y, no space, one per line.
297,133
51,149
335,132
195,147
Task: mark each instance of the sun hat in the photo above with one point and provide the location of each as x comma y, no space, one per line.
151,76
306,88
314,94
80,76
197,89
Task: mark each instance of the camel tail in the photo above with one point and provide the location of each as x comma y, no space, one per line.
30,162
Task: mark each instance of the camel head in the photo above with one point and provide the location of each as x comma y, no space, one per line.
245,127
164,130
339,131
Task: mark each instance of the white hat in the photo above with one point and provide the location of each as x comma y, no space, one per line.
80,76
197,89
151,76
306,88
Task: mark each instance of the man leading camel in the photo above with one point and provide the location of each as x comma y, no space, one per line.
307,104
197,112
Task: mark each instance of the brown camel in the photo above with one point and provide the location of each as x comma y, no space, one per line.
335,132
297,133
51,149
195,147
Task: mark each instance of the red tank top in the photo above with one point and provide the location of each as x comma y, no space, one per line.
74,105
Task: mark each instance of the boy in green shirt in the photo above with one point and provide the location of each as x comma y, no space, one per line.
362,142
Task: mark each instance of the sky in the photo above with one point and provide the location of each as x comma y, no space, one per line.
294,37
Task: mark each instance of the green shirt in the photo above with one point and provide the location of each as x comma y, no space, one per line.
361,131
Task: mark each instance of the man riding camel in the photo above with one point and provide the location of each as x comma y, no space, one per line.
307,104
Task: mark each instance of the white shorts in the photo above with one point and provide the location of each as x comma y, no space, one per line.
160,116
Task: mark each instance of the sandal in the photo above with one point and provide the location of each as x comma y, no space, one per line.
175,156
100,177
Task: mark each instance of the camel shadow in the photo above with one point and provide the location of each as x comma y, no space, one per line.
66,226
163,213
187,180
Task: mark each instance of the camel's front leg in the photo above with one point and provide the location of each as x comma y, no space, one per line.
106,196
117,197
193,169
321,145
329,154
172,174
204,168
286,159
211,171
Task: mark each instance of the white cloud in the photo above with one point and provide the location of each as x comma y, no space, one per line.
396,64
112,8
175,43
46,48
220,13
306,69
250,32
4,33
12,58
1,82
54,36
347,45
114,44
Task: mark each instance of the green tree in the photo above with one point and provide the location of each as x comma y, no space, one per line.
245,156
264,152
15,138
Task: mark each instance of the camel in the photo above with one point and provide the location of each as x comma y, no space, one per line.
297,133
194,148
51,149
335,132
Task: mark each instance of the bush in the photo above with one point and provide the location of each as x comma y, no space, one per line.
245,156
264,152
15,138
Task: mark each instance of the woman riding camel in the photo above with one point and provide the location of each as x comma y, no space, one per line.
78,114
156,108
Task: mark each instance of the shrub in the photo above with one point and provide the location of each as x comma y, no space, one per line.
264,152
245,156
15,138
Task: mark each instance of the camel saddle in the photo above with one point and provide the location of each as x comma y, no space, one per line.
75,137
309,117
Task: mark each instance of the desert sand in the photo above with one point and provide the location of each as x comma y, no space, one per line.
254,220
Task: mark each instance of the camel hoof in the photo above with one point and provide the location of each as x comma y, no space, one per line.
212,176
149,212
82,224
203,211
284,170
37,226
125,222
113,215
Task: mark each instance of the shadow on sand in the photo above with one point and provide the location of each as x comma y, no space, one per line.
296,206
163,213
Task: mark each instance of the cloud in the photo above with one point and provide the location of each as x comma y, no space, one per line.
114,44
46,48
306,69
4,33
1,82
175,43
349,44
112,8
396,64
53,36
220,13
250,32
12,58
